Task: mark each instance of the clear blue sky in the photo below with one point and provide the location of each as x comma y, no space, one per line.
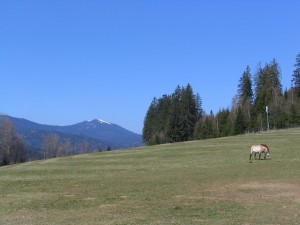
63,61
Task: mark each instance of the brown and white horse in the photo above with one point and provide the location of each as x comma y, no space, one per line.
259,149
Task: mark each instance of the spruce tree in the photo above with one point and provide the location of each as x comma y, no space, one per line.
275,76
210,127
268,92
162,119
240,124
224,124
176,127
245,96
294,117
296,75
200,111
206,127
189,112
245,92
150,123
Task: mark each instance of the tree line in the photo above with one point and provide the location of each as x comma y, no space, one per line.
56,146
260,104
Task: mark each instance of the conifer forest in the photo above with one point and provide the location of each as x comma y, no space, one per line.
260,104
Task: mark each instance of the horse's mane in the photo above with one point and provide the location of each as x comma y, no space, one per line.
265,146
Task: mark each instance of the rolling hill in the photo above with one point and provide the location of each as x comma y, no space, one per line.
199,182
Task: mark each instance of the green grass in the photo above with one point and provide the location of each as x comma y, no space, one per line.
198,182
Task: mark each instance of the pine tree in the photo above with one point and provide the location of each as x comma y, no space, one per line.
206,127
240,124
224,124
176,127
296,75
245,96
189,112
162,119
294,117
210,127
275,75
199,106
268,92
275,81
245,92
150,123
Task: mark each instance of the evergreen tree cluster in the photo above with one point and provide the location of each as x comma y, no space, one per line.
172,118
260,104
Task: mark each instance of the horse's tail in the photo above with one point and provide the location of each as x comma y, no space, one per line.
251,150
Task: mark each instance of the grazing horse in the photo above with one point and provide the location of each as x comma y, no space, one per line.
259,149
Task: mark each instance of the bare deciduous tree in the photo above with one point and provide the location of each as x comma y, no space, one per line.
12,148
51,145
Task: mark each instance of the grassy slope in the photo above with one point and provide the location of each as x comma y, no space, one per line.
200,182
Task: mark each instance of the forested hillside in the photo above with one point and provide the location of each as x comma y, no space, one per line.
22,140
260,104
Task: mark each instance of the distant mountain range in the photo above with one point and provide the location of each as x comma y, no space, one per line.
97,134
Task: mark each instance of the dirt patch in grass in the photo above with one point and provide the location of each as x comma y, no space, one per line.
245,203
274,190
251,192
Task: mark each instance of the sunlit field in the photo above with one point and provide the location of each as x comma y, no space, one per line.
198,182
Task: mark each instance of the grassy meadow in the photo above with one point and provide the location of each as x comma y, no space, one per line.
198,182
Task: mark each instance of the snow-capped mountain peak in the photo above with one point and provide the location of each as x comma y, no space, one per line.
99,121
102,121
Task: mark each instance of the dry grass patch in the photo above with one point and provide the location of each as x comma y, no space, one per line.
253,191
274,190
243,203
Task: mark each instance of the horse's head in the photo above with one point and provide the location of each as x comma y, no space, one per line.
268,151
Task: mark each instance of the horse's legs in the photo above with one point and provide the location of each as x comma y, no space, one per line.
265,155
250,156
259,155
